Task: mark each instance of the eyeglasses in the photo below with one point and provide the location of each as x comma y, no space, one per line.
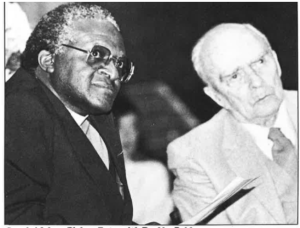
101,55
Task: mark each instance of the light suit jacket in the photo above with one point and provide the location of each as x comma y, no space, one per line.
210,156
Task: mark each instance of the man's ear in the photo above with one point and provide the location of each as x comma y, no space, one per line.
216,96
46,61
277,62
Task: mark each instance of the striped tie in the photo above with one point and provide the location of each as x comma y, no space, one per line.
283,151
96,140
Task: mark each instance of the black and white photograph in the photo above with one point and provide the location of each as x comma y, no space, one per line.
150,113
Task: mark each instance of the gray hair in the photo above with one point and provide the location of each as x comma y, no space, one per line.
197,58
54,29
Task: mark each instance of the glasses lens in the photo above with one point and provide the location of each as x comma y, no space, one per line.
98,55
126,71
122,65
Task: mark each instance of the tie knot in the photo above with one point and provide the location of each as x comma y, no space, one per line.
280,141
85,125
275,134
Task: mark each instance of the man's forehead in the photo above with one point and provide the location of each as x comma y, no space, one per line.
227,50
86,25
98,32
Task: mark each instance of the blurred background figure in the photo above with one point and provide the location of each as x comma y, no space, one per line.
148,179
17,31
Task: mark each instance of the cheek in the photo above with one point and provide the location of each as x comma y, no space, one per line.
271,75
273,83
78,76
240,100
239,95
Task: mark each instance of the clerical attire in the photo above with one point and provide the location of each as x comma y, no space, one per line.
99,145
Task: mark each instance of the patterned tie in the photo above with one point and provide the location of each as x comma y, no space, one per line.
96,140
283,151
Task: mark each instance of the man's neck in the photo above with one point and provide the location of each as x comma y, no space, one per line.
264,122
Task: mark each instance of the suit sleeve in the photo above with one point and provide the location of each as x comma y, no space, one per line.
193,189
27,162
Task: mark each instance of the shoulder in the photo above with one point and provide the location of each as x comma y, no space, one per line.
201,136
24,104
25,100
291,96
196,145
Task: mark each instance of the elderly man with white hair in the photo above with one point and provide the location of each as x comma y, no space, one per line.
253,136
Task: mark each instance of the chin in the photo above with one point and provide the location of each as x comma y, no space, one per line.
97,106
103,109
269,105
268,111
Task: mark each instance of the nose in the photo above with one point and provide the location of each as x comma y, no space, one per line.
255,79
115,73
112,71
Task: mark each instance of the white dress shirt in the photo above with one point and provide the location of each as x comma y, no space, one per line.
260,133
102,149
79,119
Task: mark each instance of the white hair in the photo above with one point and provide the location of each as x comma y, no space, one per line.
198,58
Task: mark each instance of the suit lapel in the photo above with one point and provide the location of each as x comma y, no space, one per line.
85,152
112,140
281,178
110,136
248,161
292,108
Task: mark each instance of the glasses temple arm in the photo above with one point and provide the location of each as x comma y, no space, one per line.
66,45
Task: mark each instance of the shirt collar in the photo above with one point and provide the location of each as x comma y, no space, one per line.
283,121
79,119
260,133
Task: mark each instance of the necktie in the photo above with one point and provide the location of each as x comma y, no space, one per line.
283,151
114,174
96,140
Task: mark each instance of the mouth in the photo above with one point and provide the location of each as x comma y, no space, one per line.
262,98
102,84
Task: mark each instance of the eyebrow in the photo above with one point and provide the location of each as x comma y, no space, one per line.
261,56
223,77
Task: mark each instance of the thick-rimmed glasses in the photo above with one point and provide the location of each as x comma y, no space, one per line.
101,55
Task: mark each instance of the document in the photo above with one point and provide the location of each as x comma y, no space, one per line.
230,190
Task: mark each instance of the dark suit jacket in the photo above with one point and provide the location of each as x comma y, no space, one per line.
53,175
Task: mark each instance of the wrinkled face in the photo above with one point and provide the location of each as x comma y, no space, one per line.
245,76
83,88
129,132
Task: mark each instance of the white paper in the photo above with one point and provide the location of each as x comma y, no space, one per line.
231,189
